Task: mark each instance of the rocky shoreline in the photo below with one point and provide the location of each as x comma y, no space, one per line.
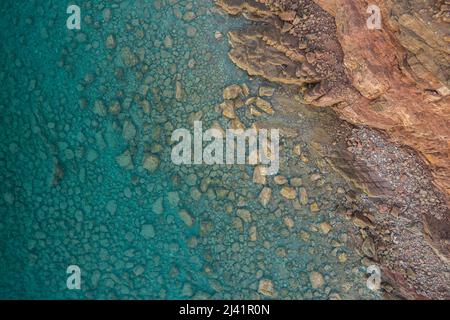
393,143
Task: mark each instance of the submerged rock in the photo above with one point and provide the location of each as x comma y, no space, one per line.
266,288
316,280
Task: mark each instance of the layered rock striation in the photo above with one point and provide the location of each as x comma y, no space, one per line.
395,79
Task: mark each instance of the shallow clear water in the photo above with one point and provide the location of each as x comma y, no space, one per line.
67,199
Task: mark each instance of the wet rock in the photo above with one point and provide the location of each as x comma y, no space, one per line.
253,233
111,206
151,163
288,193
361,221
157,206
91,155
186,217
173,198
325,227
265,195
368,248
304,235
189,16
316,280
148,231
258,178
191,32
266,91
125,160
129,59
287,15
168,42
303,196
232,92
111,42
296,182
342,257
314,207
129,130
178,91
266,288
244,215
264,105
99,108
288,222
280,180
245,90
228,109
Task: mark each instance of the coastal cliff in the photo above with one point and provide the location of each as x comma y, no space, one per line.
394,81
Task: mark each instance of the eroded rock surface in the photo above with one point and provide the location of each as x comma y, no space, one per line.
395,79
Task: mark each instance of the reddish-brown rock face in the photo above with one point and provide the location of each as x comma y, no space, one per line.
403,71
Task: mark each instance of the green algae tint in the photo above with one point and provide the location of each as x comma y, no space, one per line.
86,120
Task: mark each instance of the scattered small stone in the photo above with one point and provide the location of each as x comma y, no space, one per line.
303,196
314,207
151,163
253,233
316,279
232,92
288,222
244,215
325,227
296,182
266,288
266,91
288,193
265,195
368,248
125,160
259,178
342,257
168,42
186,217
264,105
148,231
129,130
111,42
158,206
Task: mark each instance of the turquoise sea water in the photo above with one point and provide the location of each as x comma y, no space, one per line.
78,118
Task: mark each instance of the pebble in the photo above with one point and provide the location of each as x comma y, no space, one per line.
325,227
266,288
266,91
258,178
265,195
280,180
316,280
124,160
244,215
148,231
314,207
186,217
232,92
288,193
151,163
303,196
157,206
